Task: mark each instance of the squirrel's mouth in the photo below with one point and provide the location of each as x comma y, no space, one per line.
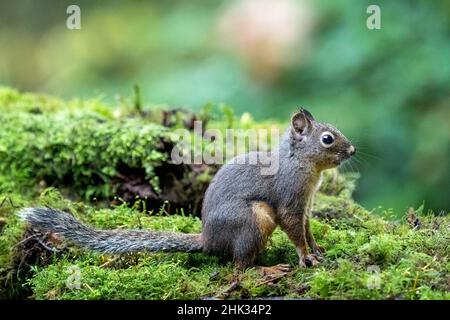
338,161
340,158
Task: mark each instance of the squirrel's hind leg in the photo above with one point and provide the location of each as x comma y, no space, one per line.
245,250
253,240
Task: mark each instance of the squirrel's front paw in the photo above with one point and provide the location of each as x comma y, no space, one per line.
308,261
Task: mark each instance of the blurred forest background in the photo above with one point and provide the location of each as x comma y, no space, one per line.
388,89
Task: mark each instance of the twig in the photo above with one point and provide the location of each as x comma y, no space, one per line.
234,285
107,263
46,246
10,202
89,287
25,240
274,279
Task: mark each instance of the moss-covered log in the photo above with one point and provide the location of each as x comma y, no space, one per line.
91,154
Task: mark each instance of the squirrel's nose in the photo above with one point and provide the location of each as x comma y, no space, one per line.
351,151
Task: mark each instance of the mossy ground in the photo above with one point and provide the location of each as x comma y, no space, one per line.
369,255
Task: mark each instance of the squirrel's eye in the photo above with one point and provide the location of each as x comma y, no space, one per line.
327,139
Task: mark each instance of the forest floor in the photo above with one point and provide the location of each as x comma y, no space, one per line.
80,157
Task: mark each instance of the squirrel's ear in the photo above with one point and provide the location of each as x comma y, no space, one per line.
300,123
307,114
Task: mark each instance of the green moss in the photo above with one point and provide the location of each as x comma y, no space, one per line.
12,101
337,184
150,278
367,257
88,149
11,233
85,152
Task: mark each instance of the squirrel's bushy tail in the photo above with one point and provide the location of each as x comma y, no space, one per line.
109,241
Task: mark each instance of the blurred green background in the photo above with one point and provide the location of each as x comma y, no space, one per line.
388,89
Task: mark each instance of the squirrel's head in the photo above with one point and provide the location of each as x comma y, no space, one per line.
321,143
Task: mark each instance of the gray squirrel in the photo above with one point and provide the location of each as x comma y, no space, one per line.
241,207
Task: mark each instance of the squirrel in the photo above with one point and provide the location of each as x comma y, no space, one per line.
241,207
